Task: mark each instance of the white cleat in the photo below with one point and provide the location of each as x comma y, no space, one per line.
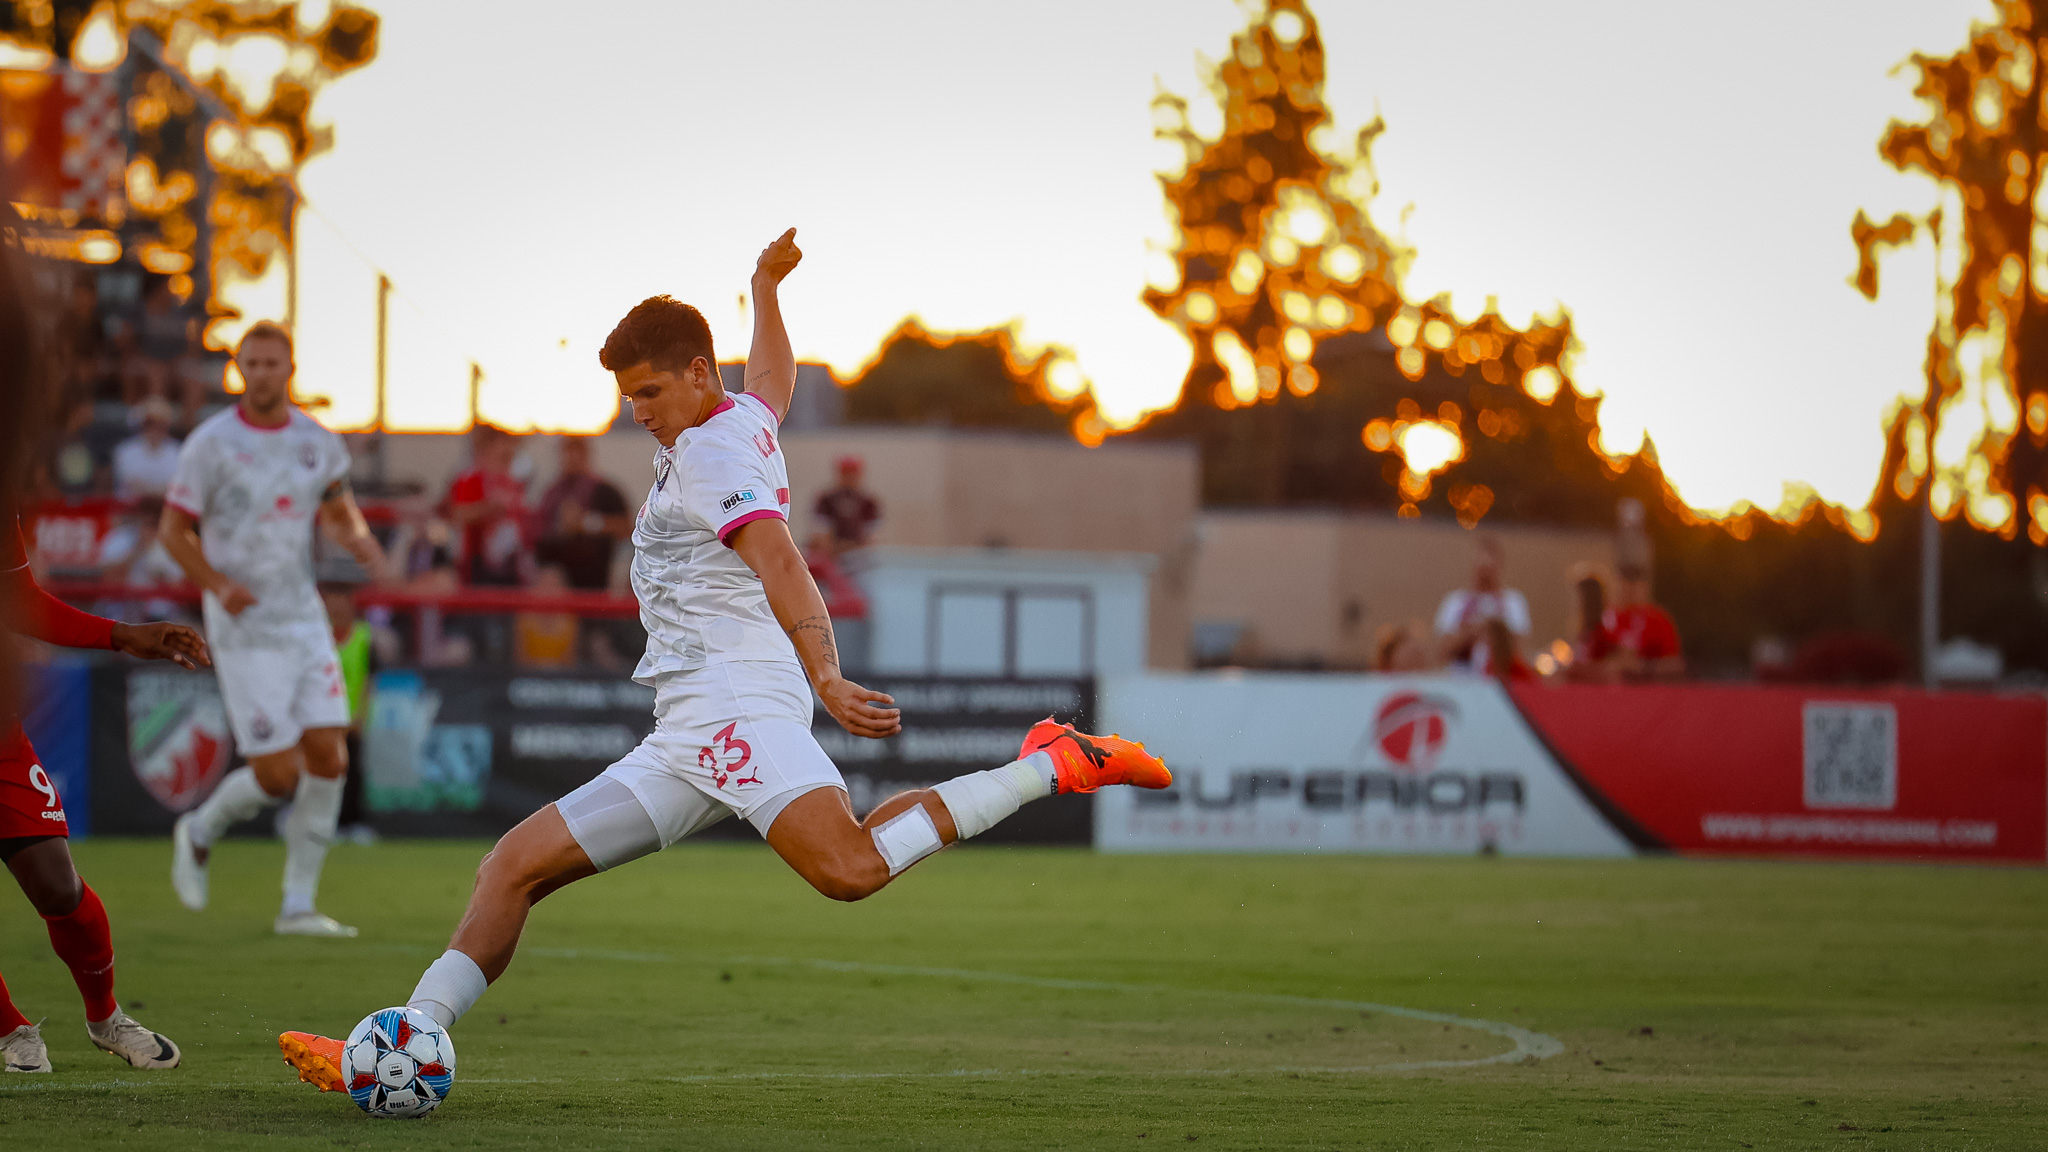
23,1050
313,924
140,1047
188,865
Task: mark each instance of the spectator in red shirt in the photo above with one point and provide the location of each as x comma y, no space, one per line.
488,504
1645,639
580,520
848,512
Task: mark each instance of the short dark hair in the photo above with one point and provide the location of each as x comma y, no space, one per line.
267,330
661,331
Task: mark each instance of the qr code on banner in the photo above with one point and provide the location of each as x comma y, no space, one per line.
1852,756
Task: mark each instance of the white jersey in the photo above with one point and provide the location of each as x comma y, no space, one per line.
699,601
256,493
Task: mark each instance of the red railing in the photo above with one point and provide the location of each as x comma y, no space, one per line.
69,535
465,601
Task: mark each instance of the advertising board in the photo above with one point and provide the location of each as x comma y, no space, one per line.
1292,763
159,744
457,752
1812,770
469,752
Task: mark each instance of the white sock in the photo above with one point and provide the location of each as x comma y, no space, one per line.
308,832
448,988
979,799
238,798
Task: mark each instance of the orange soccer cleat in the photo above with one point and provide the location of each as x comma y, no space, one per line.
317,1058
1083,763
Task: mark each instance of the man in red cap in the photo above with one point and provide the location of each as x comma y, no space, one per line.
847,513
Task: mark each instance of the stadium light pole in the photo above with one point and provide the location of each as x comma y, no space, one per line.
1930,585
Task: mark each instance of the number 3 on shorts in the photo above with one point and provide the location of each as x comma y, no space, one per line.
40,781
721,772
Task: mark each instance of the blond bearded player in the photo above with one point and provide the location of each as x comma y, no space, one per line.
239,518
735,626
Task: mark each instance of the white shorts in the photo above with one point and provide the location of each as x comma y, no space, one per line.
272,695
728,739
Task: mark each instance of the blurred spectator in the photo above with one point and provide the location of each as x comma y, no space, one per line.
145,462
848,513
132,554
1464,620
82,341
1592,642
163,357
1504,653
354,647
843,598
72,464
488,504
1645,640
580,520
545,639
435,645
422,542
1836,658
1401,647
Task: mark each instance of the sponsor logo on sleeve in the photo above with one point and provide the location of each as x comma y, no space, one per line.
743,496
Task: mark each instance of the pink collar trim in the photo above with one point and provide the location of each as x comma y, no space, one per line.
724,405
244,418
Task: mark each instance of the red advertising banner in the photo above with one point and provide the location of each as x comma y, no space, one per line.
1815,771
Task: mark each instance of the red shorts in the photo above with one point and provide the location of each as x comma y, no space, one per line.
29,804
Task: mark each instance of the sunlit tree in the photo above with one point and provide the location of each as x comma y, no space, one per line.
217,99
1976,443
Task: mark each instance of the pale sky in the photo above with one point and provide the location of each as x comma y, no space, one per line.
1681,177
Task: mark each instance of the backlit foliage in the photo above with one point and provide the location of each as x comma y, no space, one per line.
1279,263
1979,436
211,171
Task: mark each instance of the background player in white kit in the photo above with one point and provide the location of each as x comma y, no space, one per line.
735,626
239,518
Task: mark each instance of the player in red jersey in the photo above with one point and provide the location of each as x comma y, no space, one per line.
33,830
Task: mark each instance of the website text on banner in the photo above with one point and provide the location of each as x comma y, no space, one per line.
1819,771
1280,763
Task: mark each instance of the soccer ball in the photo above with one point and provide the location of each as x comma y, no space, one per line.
398,1064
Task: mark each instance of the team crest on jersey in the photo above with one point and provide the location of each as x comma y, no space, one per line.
308,456
662,468
743,496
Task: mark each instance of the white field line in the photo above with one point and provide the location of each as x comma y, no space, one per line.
1528,1045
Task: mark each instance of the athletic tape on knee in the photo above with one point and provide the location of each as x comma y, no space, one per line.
906,838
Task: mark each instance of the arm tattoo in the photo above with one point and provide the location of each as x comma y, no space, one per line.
821,628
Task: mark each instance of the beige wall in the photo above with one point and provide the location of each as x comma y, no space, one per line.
945,488
1289,576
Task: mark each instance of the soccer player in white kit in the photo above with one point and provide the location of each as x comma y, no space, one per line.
239,519
735,627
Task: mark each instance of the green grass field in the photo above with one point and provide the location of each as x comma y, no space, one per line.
1045,998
